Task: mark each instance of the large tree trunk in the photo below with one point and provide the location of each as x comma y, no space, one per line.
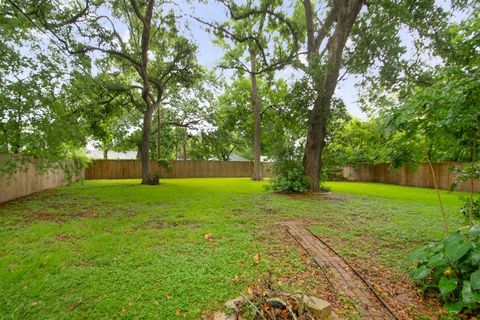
344,14
317,130
105,154
158,133
257,172
147,177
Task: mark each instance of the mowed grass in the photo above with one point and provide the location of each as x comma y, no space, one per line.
116,249
385,222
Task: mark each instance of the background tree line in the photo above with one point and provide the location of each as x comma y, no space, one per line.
124,75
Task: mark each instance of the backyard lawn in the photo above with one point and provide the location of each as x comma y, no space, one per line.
117,249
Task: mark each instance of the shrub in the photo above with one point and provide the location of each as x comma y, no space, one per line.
452,266
287,176
287,170
465,210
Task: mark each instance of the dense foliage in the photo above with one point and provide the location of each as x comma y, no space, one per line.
452,266
468,205
80,74
287,173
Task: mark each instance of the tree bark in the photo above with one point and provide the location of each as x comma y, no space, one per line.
344,14
158,133
257,127
105,154
147,178
184,146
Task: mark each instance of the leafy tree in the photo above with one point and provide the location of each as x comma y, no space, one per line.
258,40
352,37
153,56
36,122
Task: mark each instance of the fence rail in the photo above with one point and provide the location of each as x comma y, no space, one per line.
132,169
420,177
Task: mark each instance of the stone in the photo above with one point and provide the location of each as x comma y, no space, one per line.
232,304
317,307
222,316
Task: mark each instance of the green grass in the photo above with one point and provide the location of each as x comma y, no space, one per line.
116,249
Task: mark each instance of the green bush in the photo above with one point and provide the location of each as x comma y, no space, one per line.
287,176
452,267
465,210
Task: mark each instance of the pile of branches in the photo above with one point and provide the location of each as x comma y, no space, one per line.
267,304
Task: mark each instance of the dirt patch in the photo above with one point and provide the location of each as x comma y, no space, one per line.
65,237
61,214
317,196
161,223
239,212
307,278
397,290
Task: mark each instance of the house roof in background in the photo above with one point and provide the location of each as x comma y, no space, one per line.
98,154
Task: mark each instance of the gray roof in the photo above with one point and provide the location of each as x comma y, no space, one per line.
98,154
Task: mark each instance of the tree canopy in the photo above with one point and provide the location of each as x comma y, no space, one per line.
127,75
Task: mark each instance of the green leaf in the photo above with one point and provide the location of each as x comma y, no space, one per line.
467,294
421,272
474,232
447,285
475,280
436,260
454,307
455,249
475,257
418,255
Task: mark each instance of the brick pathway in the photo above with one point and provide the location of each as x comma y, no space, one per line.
339,274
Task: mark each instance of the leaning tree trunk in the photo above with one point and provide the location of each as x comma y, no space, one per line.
437,190
257,171
346,13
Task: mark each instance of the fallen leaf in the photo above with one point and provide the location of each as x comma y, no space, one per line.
74,305
124,310
177,312
208,237
235,279
256,259
442,311
168,296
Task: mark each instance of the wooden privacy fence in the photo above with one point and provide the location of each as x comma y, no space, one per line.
28,180
132,169
419,177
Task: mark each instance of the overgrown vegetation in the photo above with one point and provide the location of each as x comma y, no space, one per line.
288,176
287,172
470,208
452,266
